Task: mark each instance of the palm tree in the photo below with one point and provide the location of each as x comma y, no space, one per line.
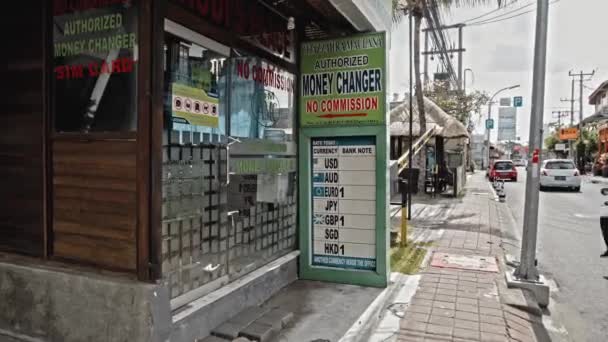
418,9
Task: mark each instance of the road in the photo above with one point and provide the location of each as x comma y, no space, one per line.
569,245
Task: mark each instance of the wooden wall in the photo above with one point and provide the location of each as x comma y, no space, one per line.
22,128
94,199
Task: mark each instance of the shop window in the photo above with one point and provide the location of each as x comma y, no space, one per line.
95,66
195,90
262,100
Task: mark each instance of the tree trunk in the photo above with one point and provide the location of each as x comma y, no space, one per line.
419,100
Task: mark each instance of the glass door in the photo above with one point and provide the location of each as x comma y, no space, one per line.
195,222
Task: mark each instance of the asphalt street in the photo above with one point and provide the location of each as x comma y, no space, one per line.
569,246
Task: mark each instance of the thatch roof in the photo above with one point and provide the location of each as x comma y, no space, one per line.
449,126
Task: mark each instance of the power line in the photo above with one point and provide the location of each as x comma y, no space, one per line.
490,12
505,14
438,35
491,21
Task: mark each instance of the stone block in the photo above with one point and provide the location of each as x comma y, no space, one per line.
212,339
259,332
228,330
248,316
277,318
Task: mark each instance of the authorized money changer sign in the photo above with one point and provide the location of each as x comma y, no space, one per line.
343,81
343,161
344,202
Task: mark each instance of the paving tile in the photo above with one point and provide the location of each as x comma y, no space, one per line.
467,283
449,276
441,320
491,312
467,316
430,290
520,337
420,301
445,298
465,300
467,308
436,329
526,330
490,304
424,295
430,279
466,334
444,305
419,309
447,286
492,328
466,294
413,326
438,338
491,319
465,324
467,288
446,292
410,337
444,280
443,312
415,316
489,337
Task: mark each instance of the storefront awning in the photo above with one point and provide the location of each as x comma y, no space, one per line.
600,115
449,126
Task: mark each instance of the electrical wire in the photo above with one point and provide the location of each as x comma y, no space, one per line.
439,35
492,21
505,13
490,12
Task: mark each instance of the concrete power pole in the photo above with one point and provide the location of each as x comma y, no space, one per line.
572,100
526,271
581,75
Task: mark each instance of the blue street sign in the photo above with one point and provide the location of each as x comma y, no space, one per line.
489,123
518,101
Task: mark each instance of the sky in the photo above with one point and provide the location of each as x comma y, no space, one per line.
501,54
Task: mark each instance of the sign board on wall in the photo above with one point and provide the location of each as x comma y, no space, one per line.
568,133
344,202
343,151
507,123
343,81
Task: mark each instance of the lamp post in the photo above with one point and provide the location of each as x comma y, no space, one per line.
490,116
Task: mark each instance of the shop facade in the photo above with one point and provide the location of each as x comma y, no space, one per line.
162,155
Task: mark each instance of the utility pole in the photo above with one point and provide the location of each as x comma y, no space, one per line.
426,53
572,100
581,75
460,50
526,271
426,58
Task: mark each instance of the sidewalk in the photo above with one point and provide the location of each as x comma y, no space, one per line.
462,294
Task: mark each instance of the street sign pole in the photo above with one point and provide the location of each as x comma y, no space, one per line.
527,267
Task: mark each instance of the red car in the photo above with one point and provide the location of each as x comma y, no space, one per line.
503,169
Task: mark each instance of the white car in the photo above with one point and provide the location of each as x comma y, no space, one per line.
559,173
